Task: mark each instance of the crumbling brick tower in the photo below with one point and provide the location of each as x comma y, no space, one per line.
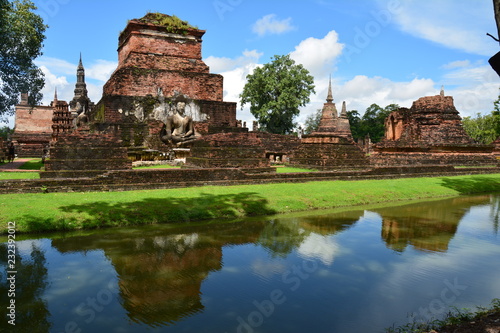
160,63
429,133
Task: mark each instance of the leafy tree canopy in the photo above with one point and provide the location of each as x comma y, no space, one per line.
371,123
21,37
312,121
6,132
484,129
275,92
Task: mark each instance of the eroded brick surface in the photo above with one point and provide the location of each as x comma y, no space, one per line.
430,132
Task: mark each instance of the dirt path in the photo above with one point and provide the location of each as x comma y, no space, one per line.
14,166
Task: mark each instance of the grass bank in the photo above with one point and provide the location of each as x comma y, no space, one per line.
484,319
72,211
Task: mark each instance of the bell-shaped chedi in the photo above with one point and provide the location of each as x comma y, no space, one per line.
331,146
430,132
160,64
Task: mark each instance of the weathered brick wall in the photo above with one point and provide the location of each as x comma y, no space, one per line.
432,158
225,150
58,181
219,113
429,133
276,143
31,144
142,82
159,61
33,130
83,149
3,153
33,120
150,38
430,120
328,151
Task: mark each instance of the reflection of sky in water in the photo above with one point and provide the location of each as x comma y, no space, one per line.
341,272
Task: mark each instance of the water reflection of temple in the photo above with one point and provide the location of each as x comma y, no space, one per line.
428,226
161,272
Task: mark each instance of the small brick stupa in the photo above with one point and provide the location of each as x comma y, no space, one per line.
429,133
331,146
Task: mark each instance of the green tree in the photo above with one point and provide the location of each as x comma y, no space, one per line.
355,123
5,132
21,37
483,129
373,121
275,92
312,121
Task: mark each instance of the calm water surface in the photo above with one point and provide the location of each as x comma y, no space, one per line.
357,271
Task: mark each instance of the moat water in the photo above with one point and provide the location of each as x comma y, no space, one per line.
352,271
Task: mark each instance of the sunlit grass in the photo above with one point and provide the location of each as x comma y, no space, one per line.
160,166
19,175
286,169
34,164
64,211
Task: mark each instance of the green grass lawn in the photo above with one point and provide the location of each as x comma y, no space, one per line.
162,166
286,169
70,211
19,175
34,164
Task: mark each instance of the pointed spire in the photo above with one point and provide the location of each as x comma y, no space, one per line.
442,91
343,113
329,98
55,95
80,64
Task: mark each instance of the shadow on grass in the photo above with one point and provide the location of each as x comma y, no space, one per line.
151,211
472,185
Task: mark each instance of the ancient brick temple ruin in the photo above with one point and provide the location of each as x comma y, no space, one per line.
429,133
159,65
162,97
33,128
331,146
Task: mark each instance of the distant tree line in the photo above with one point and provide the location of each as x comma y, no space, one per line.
484,129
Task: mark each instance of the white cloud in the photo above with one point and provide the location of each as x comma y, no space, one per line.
101,70
57,66
457,64
318,55
456,24
223,64
270,24
57,72
53,82
319,247
475,88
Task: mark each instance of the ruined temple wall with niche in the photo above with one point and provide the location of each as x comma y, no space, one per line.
429,133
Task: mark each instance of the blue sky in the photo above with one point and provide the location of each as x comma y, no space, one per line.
377,51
